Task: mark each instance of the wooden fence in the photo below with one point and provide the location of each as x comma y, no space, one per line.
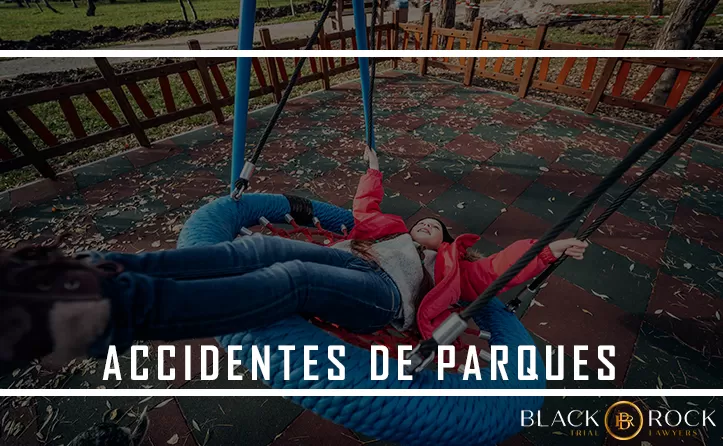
120,104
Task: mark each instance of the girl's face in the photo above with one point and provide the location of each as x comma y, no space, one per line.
428,233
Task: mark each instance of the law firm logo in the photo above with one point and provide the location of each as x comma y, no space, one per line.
624,420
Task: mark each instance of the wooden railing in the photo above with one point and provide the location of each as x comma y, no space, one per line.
117,105
120,103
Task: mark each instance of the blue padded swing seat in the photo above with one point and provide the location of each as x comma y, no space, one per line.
405,420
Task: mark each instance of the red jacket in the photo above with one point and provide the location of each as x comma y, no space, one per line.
455,278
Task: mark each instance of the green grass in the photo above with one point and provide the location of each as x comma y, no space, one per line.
621,7
25,23
636,8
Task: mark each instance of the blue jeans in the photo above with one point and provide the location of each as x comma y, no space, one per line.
254,281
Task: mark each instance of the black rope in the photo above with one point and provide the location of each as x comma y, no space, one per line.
670,123
301,209
372,76
689,130
242,183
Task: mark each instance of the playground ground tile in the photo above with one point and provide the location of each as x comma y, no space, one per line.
513,119
438,135
704,200
611,277
497,183
41,190
495,133
418,184
554,131
518,163
408,147
576,183
448,164
310,428
655,211
588,161
467,207
692,262
456,120
704,175
707,155
102,170
403,121
492,99
335,186
530,108
602,145
540,146
447,101
515,224
548,204
116,188
700,227
159,151
632,238
570,314
472,146
693,316
309,165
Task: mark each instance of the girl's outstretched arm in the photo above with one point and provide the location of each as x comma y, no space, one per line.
478,275
370,192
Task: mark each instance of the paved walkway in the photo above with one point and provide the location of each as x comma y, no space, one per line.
209,40
486,163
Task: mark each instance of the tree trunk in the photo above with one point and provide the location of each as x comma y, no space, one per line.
426,6
90,12
193,10
75,4
656,7
680,33
472,12
445,13
183,10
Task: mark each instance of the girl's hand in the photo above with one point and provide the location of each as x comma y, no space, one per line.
571,247
371,156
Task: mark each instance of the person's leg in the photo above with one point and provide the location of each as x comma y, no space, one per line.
230,258
358,298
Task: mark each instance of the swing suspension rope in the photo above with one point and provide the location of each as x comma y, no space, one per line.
242,183
372,77
686,134
455,324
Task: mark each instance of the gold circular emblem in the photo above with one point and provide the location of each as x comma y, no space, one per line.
626,417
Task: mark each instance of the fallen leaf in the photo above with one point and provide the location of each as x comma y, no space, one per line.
163,403
460,205
601,296
543,323
587,312
687,265
156,244
195,425
173,440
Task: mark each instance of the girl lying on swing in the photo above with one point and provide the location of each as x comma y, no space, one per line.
384,274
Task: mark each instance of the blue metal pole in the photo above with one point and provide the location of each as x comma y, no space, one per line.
360,26
247,20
